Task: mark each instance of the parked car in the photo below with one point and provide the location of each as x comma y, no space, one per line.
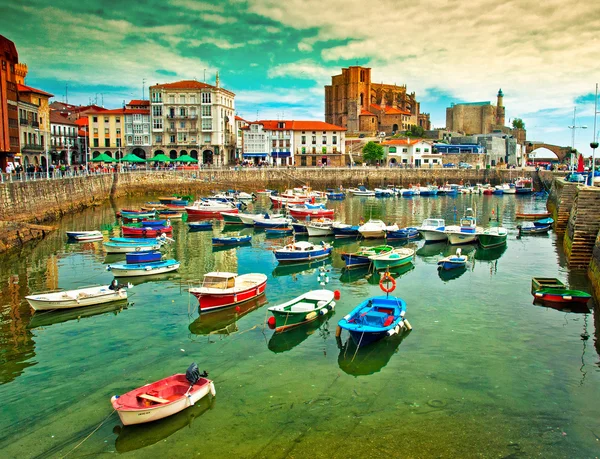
449,165
361,136
464,166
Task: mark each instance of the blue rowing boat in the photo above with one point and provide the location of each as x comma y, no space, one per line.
374,319
403,234
143,257
231,240
343,230
199,226
302,251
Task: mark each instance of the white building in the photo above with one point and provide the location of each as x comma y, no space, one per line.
137,128
239,138
193,118
411,153
298,143
64,146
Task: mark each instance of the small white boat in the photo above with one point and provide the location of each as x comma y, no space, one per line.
466,232
509,188
453,261
143,269
69,299
433,229
320,228
361,191
248,219
375,229
271,222
392,259
243,196
88,237
75,234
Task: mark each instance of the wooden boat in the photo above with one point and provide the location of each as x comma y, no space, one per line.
362,256
231,218
162,239
196,226
210,208
402,234
531,229
79,298
143,269
223,289
144,232
231,240
493,237
73,234
433,230
375,229
453,261
523,186
374,319
466,232
89,237
305,213
145,256
302,309
163,398
171,214
153,206
393,258
342,230
132,215
154,223
562,295
302,251
544,222
283,231
539,283
532,216
320,228
124,247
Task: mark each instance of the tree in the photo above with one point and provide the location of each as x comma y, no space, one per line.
415,131
372,152
518,123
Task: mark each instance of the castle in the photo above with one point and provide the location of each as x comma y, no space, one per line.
354,102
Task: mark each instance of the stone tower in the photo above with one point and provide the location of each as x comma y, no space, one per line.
20,72
500,111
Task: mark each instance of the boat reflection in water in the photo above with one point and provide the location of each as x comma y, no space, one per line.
353,275
299,268
45,318
224,321
114,258
396,273
138,280
489,254
367,359
465,249
449,274
575,308
430,251
130,438
289,339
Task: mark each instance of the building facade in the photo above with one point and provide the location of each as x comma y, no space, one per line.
411,153
9,112
138,138
106,133
476,117
294,143
31,139
193,118
239,139
354,102
64,146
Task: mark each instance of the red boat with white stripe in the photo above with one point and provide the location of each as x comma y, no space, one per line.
301,214
210,208
131,231
221,289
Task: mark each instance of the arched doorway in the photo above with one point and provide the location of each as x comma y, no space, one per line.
25,162
95,154
108,153
173,154
43,160
183,152
207,157
36,161
159,152
395,128
139,152
194,154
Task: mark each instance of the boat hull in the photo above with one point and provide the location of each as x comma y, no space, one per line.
147,269
71,299
217,241
145,232
315,213
557,295
115,247
302,310
461,238
433,235
142,257
346,232
212,302
299,257
491,240
319,231
231,218
385,263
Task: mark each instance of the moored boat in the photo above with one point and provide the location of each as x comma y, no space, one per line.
124,247
231,218
280,231
375,229
396,257
73,234
305,213
302,309
343,230
143,256
466,232
453,261
433,230
145,232
91,236
199,226
231,240
137,215
268,221
562,295
223,289
361,191
402,234
533,215
320,227
528,228
143,269
210,208
362,256
79,298
492,237
302,251
163,398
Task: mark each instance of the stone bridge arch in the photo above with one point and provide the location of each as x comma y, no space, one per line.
560,152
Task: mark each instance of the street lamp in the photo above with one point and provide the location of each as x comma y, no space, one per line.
573,127
594,143
45,152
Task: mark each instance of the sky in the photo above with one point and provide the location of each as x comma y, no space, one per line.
276,56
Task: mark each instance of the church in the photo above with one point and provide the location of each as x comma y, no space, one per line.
354,102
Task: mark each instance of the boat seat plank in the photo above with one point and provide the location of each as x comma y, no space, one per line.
152,398
302,307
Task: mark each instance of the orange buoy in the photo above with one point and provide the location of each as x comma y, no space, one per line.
271,322
337,295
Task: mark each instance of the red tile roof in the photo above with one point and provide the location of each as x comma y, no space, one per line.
138,102
122,111
23,88
83,121
364,112
187,84
57,118
239,118
390,110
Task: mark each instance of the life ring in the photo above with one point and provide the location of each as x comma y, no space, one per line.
137,249
384,279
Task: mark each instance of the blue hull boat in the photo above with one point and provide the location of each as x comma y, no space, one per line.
199,226
544,222
302,251
300,228
232,240
266,224
403,234
336,196
142,257
143,269
279,231
350,232
375,319
154,223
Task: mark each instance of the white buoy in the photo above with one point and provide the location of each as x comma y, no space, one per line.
407,325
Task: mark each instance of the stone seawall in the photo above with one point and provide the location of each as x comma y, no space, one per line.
582,228
560,202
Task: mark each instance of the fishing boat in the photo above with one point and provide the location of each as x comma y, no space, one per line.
143,256
544,222
453,261
402,234
306,214
384,192
375,229
89,237
429,190
79,298
407,192
320,227
149,205
361,191
163,398
231,218
248,219
302,251
335,195
280,231
466,232
343,230
509,188
396,257
302,309
171,214
223,289
137,215
492,237
174,200
271,222
73,234
200,226
231,240
361,257
523,186
125,247
210,208
281,201
433,230
145,232
143,269
300,228
527,229
533,216
374,319
154,223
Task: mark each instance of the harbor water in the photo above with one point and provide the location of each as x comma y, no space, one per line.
484,372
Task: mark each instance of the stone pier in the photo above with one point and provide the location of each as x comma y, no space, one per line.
560,202
582,227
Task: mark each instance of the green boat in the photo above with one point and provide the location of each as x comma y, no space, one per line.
303,309
362,256
230,218
493,237
396,257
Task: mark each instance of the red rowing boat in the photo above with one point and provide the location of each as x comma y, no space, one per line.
210,209
301,214
220,290
163,398
134,231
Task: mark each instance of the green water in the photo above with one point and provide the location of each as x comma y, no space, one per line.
484,373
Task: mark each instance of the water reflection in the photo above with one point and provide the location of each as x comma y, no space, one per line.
289,339
139,280
224,321
130,438
429,251
368,359
396,273
352,275
575,308
300,268
491,254
450,274
44,319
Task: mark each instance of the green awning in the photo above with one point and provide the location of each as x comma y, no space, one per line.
103,158
162,158
131,158
186,159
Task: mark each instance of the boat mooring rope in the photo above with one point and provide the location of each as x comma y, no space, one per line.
90,434
358,346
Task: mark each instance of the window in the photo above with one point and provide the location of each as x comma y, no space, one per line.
172,139
182,99
303,140
193,99
157,110
207,138
107,142
137,129
206,110
130,140
334,140
182,112
324,140
171,99
182,124
392,150
118,120
118,142
106,131
206,97
106,119
206,124
95,119
426,150
418,150
96,144
405,150
95,131
314,139
157,123
274,143
158,139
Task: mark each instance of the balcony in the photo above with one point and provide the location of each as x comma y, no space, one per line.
23,121
183,117
35,124
173,130
32,147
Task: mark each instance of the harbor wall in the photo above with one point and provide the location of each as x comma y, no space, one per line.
560,202
582,228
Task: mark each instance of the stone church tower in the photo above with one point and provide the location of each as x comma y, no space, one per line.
500,111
